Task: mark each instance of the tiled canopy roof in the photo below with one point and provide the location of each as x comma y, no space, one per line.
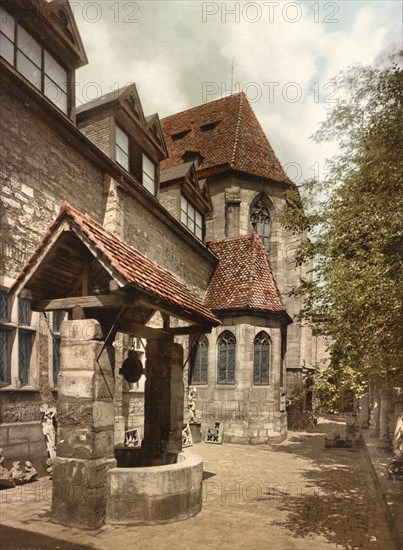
130,266
227,134
243,279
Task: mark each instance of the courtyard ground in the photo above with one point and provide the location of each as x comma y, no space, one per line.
295,495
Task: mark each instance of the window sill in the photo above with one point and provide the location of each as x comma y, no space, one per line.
8,324
23,389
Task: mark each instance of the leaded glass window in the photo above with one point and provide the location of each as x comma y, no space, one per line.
226,358
24,354
56,358
4,355
4,306
260,221
200,362
261,359
24,312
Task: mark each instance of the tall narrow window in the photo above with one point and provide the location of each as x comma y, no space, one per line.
199,363
226,358
7,36
191,218
260,221
261,359
55,82
24,339
57,322
122,148
5,338
149,174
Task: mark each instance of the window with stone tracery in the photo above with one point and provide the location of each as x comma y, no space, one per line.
226,358
260,221
261,359
200,361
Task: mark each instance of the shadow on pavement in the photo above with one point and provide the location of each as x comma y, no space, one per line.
17,539
338,500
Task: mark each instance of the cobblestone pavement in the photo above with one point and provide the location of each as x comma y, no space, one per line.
293,496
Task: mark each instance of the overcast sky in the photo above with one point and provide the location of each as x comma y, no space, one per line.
180,53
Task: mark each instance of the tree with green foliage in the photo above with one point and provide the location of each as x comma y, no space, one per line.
355,219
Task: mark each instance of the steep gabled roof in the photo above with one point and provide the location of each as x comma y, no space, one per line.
243,279
127,266
227,134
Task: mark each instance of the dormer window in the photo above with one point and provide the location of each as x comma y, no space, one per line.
149,174
33,61
191,218
193,156
122,148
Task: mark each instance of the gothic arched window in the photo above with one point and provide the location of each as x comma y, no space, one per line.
199,362
260,221
261,358
226,358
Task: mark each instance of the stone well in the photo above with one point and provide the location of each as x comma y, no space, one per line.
155,494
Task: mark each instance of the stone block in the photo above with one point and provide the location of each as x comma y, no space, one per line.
82,330
80,491
79,355
84,443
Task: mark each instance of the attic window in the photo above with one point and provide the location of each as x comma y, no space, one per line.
180,135
210,126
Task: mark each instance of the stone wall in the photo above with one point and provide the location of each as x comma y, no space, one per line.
283,246
251,414
38,172
99,132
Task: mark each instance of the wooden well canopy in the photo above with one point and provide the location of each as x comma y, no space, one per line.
84,269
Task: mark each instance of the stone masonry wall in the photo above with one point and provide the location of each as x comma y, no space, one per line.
283,246
99,133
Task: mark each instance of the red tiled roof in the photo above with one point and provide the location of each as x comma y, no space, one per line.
243,279
236,142
133,267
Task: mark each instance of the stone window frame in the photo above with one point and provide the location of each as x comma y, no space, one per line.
16,55
16,326
229,367
260,214
191,217
199,361
257,365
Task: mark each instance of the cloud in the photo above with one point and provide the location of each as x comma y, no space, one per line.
174,49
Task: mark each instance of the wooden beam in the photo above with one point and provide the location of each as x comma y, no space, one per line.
191,329
174,311
142,331
112,300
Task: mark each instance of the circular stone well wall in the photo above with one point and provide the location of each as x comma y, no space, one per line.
155,494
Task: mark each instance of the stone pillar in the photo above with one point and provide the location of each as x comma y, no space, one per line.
374,416
398,424
164,394
232,211
364,411
85,446
384,395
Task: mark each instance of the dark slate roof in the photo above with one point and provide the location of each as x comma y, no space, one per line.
131,267
227,134
103,100
243,279
175,172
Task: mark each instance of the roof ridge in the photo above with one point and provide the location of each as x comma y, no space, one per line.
238,127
